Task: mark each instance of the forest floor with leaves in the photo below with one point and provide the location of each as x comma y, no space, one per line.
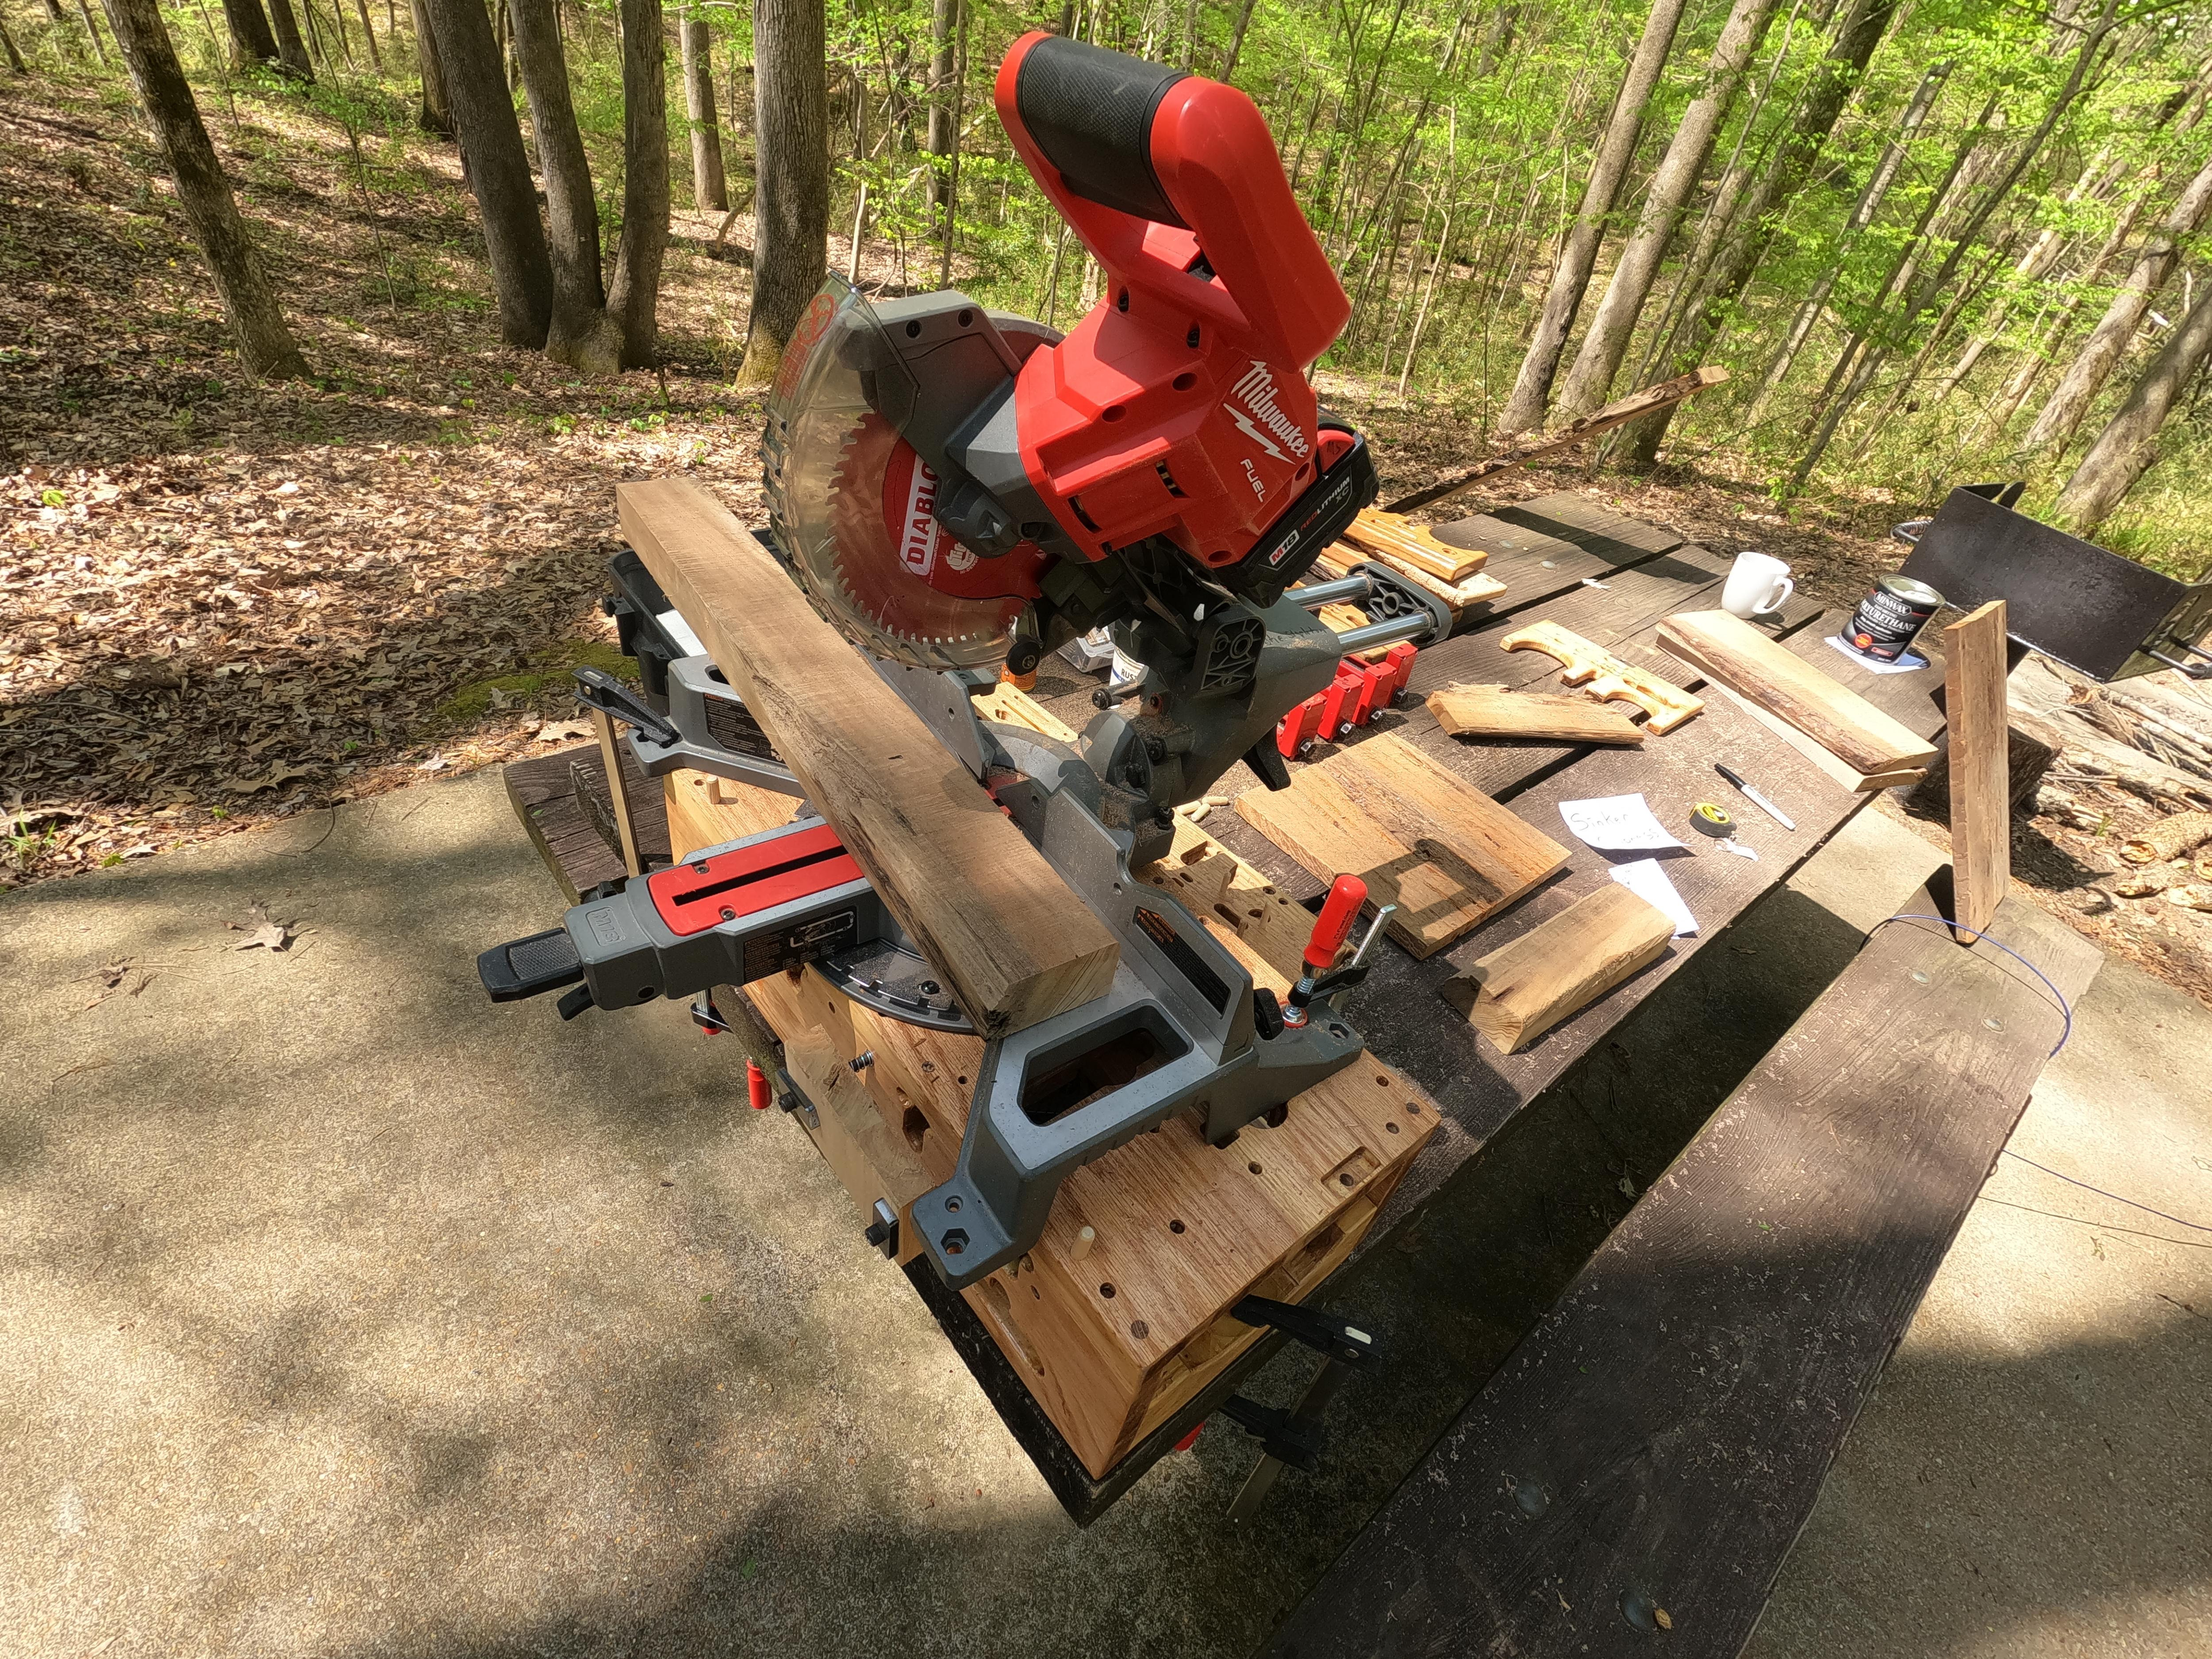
229,603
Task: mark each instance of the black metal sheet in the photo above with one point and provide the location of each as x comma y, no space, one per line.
2089,608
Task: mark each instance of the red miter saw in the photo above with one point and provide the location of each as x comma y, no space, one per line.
958,488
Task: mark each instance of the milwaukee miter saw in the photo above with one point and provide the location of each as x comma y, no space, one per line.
959,491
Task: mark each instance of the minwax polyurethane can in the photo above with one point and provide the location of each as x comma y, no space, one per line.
1890,617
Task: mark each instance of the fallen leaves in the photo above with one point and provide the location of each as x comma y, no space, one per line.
265,932
563,731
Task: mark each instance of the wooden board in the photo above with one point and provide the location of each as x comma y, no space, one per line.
1732,653
1850,776
1444,852
1604,676
1009,705
979,901
1981,793
1459,597
1520,991
543,792
1492,711
1399,538
1659,1439
1181,1230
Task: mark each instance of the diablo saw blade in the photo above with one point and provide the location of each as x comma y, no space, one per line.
909,591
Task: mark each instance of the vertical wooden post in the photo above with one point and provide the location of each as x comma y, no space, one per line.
1981,807
617,790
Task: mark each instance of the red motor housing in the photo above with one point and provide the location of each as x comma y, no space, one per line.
1179,406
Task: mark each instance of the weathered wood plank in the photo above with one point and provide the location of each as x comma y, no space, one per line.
1981,793
1445,854
1491,711
560,827
1732,653
978,901
1659,1439
1521,990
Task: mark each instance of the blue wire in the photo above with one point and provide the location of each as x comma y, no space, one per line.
2198,1225
2058,995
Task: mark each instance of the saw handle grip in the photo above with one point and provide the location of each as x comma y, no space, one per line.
1346,895
1090,111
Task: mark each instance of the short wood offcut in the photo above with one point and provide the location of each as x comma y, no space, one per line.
1494,711
1517,993
1444,852
1402,540
1730,651
980,903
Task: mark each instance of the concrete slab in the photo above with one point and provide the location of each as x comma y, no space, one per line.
342,1313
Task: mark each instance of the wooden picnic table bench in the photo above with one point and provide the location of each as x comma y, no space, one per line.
1562,558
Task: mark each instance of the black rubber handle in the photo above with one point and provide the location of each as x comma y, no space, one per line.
1090,113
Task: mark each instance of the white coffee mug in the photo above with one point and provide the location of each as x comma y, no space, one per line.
1759,585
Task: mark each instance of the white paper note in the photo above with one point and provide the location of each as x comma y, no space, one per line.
1649,882
1904,664
1616,823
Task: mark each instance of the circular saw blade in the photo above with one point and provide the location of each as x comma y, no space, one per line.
902,586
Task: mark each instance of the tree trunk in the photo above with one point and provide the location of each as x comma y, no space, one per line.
375,57
1740,254
264,343
1237,39
791,196
499,171
291,49
580,334
1532,387
2061,417
952,173
2127,445
99,50
251,40
943,21
436,112
14,58
1939,280
1589,382
1497,39
2044,350
709,189
634,295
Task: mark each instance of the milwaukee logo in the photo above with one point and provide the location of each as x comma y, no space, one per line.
1257,390
918,532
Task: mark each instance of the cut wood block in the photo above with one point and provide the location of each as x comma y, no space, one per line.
1395,536
1009,705
978,901
1974,677
1459,597
1604,676
1517,993
1730,651
1445,854
1491,711
1180,1230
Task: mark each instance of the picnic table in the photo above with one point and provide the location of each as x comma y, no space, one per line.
1563,558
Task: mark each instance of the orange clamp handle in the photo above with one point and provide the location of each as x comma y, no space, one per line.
1346,895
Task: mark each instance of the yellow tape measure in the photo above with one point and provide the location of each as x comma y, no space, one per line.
1708,819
